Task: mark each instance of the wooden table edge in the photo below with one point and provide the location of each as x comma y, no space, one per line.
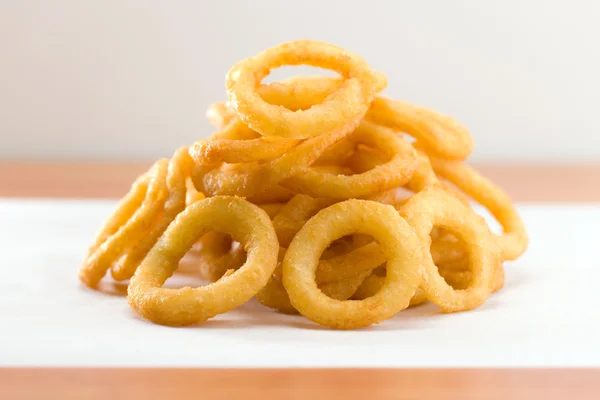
299,383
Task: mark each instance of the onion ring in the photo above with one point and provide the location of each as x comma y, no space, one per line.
246,223
349,102
338,261
287,223
397,241
435,207
237,143
133,218
233,145
397,171
514,241
263,149
258,178
439,134
176,181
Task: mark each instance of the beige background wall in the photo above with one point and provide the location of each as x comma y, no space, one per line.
131,79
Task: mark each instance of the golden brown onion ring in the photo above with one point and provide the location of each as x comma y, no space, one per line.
245,222
398,242
133,217
435,207
349,102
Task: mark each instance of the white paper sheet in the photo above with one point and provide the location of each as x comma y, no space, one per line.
547,314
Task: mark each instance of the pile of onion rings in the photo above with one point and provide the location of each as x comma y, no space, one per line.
315,196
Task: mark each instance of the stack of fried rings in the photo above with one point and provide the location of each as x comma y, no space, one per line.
310,198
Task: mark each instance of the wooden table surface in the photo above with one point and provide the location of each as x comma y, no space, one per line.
524,183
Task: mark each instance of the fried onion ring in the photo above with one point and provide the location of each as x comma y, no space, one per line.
133,217
398,242
349,102
435,207
393,173
246,223
514,241
237,143
439,134
176,181
233,145
257,178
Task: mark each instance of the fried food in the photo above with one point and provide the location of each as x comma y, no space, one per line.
393,173
343,107
176,185
440,134
237,144
514,241
435,207
315,196
245,222
132,219
397,240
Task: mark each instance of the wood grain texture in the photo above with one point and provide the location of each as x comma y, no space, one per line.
292,384
524,183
